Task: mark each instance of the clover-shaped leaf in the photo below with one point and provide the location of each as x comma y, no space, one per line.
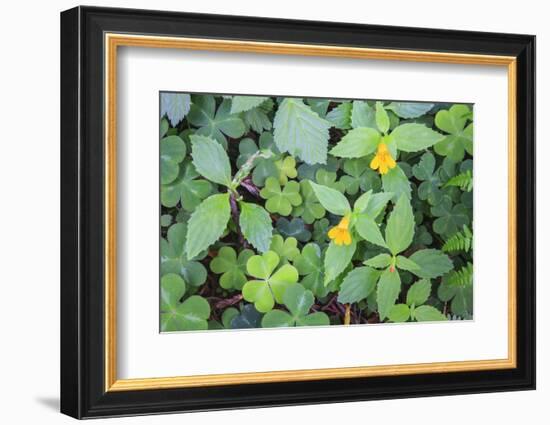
175,106
294,228
172,289
270,286
298,300
340,116
172,152
320,231
263,167
460,135
190,315
257,118
309,265
248,318
328,179
307,171
310,209
173,259
231,267
359,176
186,188
287,249
449,218
212,123
429,188
287,169
281,201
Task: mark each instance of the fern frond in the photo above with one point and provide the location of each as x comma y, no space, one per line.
460,241
464,181
462,277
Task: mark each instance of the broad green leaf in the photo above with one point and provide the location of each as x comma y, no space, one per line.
281,201
450,219
231,267
380,261
395,181
310,209
357,143
186,188
362,115
256,225
369,230
277,319
409,109
331,199
419,292
172,152
399,313
432,262
387,292
340,116
314,319
245,103
382,118
358,284
415,137
211,160
459,139
337,258
429,188
400,226
172,288
175,106
301,132
191,315
294,228
309,265
248,318
328,179
261,266
405,263
207,223
427,313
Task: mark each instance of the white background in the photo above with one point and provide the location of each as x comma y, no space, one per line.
29,224
140,343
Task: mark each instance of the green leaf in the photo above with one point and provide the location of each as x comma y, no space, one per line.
400,227
172,288
369,230
294,228
419,292
328,179
359,175
362,115
301,132
357,143
388,290
340,117
245,103
459,139
395,181
320,231
405,263
410,109
380,261
358,284
331,199
207,223
287,169
256,225
427,313
309,265
248,318
281,201
337,259
185,189
277,319
231,267
212,123
298,300
287,249
211,160
175,106
191,315
415,137
429,188
310,209
228,315
449,218
399,313
382,118
432,263
172,152
174,260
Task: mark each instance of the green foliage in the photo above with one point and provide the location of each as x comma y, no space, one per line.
272,216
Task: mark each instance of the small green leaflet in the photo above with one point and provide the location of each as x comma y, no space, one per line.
415,137
333,200
175,106
256,225
245,103
211,160
400,227
388,290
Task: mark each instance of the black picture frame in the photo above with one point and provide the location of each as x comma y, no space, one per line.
83,392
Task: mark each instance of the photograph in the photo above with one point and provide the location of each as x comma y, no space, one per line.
279,212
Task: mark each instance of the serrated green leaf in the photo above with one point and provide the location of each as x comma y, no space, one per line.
410,109
379,261
399,313
419,292
358,284
175,106
387,292
256,225
337,258
427,313
382,118
340,116
369,230
405,263
395,181
432,262
400,226
415,137
211,160
331,199
362,115
357,143
245,103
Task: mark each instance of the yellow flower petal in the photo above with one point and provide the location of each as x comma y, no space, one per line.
333,233
346,238
375,163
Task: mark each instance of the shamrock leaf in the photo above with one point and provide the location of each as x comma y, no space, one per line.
263,167
298,300
310,209
320,231
340,116
212,123
172,152
429,188
460,137
175,106
173,259
231,267
308,172
359,175
269,287
286,249
172,289
310,266
328,179
301,132
248,318
190,315
281,201
449,218
185,189
257,118
294,228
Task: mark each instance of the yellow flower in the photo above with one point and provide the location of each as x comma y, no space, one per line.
340,233
383,160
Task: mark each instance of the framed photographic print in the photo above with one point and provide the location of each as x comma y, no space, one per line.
261,212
